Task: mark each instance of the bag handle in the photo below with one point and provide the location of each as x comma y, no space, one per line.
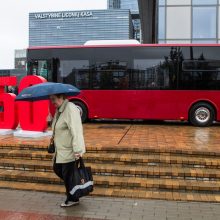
80,163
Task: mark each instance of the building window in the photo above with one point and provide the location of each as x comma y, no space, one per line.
178,41
161,26
162,2
201,41
137,26
178,2
161,41
204,22
178,22
204,2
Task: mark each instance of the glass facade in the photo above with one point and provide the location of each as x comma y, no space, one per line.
20,59
205,2
114,4
179,21
77,27
189,21
132,5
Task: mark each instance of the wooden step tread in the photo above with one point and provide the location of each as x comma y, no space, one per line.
117,169
127,193
114,181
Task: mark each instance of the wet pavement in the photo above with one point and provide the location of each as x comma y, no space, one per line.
6,215
166,136
26,205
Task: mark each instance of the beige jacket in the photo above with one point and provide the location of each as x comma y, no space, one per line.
68,133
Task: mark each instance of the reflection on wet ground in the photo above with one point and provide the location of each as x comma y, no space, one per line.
140,134
151,134
7,215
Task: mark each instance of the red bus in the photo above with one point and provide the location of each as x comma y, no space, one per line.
159,82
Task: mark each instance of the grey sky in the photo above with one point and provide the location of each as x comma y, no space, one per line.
14,22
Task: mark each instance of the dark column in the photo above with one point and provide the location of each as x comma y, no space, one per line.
149,20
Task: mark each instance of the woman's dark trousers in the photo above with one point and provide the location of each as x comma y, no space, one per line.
65,172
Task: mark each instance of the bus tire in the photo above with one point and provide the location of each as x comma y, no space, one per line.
202,114
83,110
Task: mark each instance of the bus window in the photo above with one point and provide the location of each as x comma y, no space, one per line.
41,68
150,74
75,72
120,80
111,75
201,65
196,80
156,68
200,74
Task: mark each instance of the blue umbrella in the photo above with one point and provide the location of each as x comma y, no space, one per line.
42,91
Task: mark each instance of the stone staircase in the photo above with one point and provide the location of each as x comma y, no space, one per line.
122,172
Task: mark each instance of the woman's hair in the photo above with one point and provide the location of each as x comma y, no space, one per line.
61,95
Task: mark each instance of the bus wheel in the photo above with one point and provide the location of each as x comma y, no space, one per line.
83,110
202,114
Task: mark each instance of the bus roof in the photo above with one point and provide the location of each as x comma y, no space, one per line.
122,45
111,42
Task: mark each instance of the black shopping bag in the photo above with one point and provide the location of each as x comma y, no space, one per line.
82,180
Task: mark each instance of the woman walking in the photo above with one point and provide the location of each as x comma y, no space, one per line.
69,142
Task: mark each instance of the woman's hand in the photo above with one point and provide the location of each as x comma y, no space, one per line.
77,156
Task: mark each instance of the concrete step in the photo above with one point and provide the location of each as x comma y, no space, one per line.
119,169
118,182
122,158
127,193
